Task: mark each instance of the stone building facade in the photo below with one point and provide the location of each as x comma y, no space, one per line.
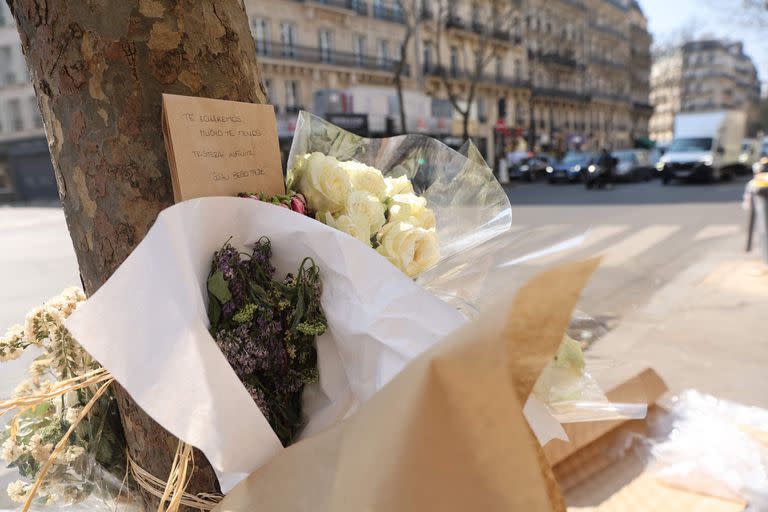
557,72
702,76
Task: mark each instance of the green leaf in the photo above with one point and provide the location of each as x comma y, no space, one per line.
217,285
214,311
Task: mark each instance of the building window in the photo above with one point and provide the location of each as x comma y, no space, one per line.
7,76
14,115
454,60
518,69
36,118
358,47
326,45
427,56
382,53
291,95
260,29
378,8
288,39
268,86
499,67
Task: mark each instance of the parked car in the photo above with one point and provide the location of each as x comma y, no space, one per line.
633,165
569,169
535,167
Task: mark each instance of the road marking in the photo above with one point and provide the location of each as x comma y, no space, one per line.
636,244
594,237
716,231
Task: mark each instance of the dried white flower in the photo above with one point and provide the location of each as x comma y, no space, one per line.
71,414
9,353
73,453
33,329
18,491
37,368
39,451
11,450
25,388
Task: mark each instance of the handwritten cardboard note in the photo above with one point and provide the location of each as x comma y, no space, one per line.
221,148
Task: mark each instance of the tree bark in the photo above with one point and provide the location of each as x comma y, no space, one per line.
99,69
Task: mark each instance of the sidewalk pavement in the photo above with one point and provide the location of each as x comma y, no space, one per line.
707,329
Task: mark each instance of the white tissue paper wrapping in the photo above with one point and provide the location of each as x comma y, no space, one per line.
148,325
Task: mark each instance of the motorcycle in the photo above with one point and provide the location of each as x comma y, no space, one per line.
597,174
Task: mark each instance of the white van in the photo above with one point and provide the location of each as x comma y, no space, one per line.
706,146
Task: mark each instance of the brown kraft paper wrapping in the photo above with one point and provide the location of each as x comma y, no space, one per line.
448,433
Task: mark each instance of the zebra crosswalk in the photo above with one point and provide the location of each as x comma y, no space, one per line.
622,244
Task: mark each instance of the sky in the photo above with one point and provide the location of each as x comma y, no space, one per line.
668,19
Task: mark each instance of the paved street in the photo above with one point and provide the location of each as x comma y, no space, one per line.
648,233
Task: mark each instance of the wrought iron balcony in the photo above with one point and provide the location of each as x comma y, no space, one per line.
617,4
503,35
385,13
358,6
316,55
567,59
478,28
607,96
461,74
453,21
610,63
608,30
554,92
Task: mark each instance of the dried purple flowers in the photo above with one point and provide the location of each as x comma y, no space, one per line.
266,328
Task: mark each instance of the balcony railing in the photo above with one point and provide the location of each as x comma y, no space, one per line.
607,96
319,56
567,59
478,28
606,62
616,4
385,13
359,6
553,92
642,106
453,21
461,74
503,35
608,30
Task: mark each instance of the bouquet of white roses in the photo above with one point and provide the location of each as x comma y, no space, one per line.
412,198
359,200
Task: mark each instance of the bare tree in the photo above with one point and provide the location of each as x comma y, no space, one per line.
411,13
99,69
460,85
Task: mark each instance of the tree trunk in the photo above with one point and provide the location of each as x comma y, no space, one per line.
399,68
99,68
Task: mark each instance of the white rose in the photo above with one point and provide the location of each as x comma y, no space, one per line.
410,248
360,203
399,185
324,183
411,209
356,226
366,178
